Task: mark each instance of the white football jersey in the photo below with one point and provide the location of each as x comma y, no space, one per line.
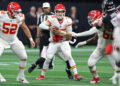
65,25
9,27
104,37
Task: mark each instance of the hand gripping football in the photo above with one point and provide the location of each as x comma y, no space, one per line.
55,30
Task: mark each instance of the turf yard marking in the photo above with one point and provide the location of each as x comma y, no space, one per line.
56,77
3,64
37,50
45,84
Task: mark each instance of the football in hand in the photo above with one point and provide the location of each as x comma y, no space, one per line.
55,30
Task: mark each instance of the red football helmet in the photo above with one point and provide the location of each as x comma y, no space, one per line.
14,8
94,16
60,11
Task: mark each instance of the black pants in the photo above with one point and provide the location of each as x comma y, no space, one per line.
44,41
40,61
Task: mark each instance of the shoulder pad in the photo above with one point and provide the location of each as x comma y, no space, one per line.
2,12
22,16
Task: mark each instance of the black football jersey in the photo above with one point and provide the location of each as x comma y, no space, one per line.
108,20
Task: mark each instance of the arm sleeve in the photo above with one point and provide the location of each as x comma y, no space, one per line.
44,25
93,30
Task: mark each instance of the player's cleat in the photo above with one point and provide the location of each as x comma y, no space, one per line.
2,79
70,76
95,80
78,78
31,68
51,67
22,79
41,77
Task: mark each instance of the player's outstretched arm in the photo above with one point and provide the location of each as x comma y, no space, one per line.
28,34
93,30
93,39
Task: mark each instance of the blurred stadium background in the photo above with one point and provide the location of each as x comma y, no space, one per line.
82,6
57,77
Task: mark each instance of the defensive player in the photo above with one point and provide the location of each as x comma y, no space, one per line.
60,34
10,21
113,19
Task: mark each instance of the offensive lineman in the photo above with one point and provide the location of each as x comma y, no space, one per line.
60,33
10,21
94,16
107,24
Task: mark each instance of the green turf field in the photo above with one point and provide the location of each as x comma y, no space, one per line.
57,77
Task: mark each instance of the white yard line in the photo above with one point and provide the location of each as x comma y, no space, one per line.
37,50
81,71
41,84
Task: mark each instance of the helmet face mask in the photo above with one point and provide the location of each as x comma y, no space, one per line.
16,13
14,9
93,17
60,11
60,14
108,5
90,20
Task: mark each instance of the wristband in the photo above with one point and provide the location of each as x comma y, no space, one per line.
31,39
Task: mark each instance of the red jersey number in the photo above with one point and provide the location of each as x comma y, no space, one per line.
107,34
9,28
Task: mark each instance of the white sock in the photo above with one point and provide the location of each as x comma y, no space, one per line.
75,71
45,66
94,71
22,67
73,66
43,72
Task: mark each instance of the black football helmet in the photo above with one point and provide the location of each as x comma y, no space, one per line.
108,5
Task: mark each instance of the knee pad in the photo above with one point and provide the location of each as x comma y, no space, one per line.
23,56
91,63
